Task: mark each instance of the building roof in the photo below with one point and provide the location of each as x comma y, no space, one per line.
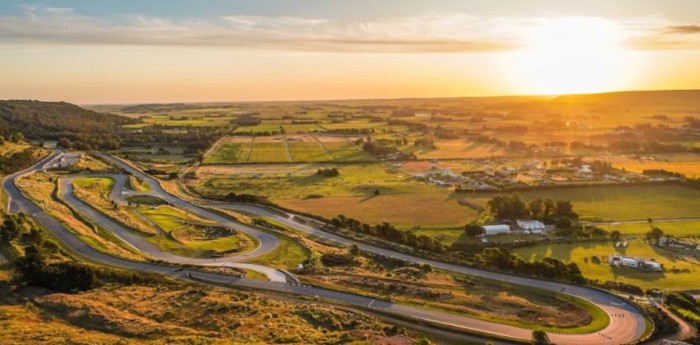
497,227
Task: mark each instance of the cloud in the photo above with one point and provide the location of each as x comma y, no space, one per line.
444,33
660,34
431,33
684,29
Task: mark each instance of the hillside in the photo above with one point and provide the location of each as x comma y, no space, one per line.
680,98
53,120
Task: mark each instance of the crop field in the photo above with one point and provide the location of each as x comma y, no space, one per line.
621,202
304,148
680,228
688,267
307,149
229,152
269,153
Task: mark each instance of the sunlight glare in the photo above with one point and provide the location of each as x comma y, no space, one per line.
570,55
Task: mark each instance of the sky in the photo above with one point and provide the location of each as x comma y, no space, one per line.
130,51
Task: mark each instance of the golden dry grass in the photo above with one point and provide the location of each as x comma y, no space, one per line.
430,209
116,314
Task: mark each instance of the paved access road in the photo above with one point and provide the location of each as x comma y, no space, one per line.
626,325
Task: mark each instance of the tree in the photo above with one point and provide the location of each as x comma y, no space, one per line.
354,250
540,338
655,234
17,137
10,229
172,175
564,223
376,192
537,208
615,235
473,230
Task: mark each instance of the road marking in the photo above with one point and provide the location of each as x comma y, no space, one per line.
370,304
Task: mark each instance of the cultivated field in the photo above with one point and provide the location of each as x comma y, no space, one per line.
688,267
621,203
301,148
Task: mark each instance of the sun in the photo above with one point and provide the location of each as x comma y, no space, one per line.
569,55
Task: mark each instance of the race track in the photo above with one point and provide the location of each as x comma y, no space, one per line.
627,323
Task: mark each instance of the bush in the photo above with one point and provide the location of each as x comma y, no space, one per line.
63,277
330,172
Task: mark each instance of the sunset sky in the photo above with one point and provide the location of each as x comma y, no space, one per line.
185,51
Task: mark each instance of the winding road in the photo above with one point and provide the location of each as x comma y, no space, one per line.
626,325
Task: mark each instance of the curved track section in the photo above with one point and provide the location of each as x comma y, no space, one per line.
627,324
136,241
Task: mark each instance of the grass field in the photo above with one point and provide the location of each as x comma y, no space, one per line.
404,210
102,184
457,149
287,255
622,202
347,152
401,201
176,223
685,228
638,248
684,163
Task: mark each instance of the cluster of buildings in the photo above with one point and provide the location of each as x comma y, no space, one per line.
522,226
632,262
528,174
440,177
678,244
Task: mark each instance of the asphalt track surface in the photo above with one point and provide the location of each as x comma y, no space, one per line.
627,324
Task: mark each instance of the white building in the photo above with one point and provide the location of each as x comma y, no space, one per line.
532,226
626,261
496,229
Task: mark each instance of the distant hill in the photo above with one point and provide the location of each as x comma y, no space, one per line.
37,119
683,98
55,120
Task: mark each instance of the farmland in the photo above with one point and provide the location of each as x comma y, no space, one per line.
285,149
675,228
622,203
679,273
401,201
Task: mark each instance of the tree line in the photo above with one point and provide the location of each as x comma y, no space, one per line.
389,233
514,207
